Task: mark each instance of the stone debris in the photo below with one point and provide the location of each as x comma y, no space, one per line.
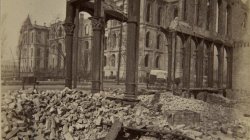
76,115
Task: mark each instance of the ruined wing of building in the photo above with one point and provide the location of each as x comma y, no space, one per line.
193,40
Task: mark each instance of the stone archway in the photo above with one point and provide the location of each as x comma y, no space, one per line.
215,65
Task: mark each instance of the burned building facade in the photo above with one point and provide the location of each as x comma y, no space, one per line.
192,40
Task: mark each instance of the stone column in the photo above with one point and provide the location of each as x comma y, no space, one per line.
210,65
179,53
98,25
172,41
187,62
75,48
132,48
69,30
229,67
181,10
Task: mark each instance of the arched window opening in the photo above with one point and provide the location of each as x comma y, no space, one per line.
205,64
184,10
198,12
225,74
60,32
244,23
86,30
218,15
228,20
113,60
215,65
59,55
157,62
146,61
148,12
158,44
159,17
175,12
208,14
105,43
86,45
147,39
114,40
104,61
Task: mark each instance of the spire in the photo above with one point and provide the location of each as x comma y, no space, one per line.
27,21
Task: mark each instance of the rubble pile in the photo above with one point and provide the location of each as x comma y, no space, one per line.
76,115
208,111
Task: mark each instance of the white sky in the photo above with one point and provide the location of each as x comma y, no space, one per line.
16,12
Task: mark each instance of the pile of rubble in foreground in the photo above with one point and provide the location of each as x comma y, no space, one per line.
79,115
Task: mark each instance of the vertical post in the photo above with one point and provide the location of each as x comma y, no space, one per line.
98,33
69,30
187,56
229,68
102,58
132,48
120,48
75,48
171,40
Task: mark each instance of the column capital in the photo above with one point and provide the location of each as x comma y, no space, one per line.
69,28
98,23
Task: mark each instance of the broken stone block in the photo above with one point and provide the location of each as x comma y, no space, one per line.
39,137
71,129
25,138
68,136
98,121
6,128
52,134
48,124
224,129
12,133
239,131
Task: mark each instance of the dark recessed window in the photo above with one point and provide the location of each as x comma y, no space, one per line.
148,12
146,61
147,39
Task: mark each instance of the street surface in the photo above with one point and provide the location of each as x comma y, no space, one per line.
86,86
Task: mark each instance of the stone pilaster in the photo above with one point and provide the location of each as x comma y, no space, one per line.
132,48
69,31
98,25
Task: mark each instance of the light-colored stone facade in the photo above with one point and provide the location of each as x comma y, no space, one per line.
33,43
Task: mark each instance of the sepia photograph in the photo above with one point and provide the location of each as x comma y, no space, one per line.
125,69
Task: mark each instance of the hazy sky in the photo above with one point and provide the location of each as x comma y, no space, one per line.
16,12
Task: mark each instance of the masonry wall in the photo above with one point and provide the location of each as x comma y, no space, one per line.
241,61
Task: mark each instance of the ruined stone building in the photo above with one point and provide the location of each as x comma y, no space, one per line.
191,39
